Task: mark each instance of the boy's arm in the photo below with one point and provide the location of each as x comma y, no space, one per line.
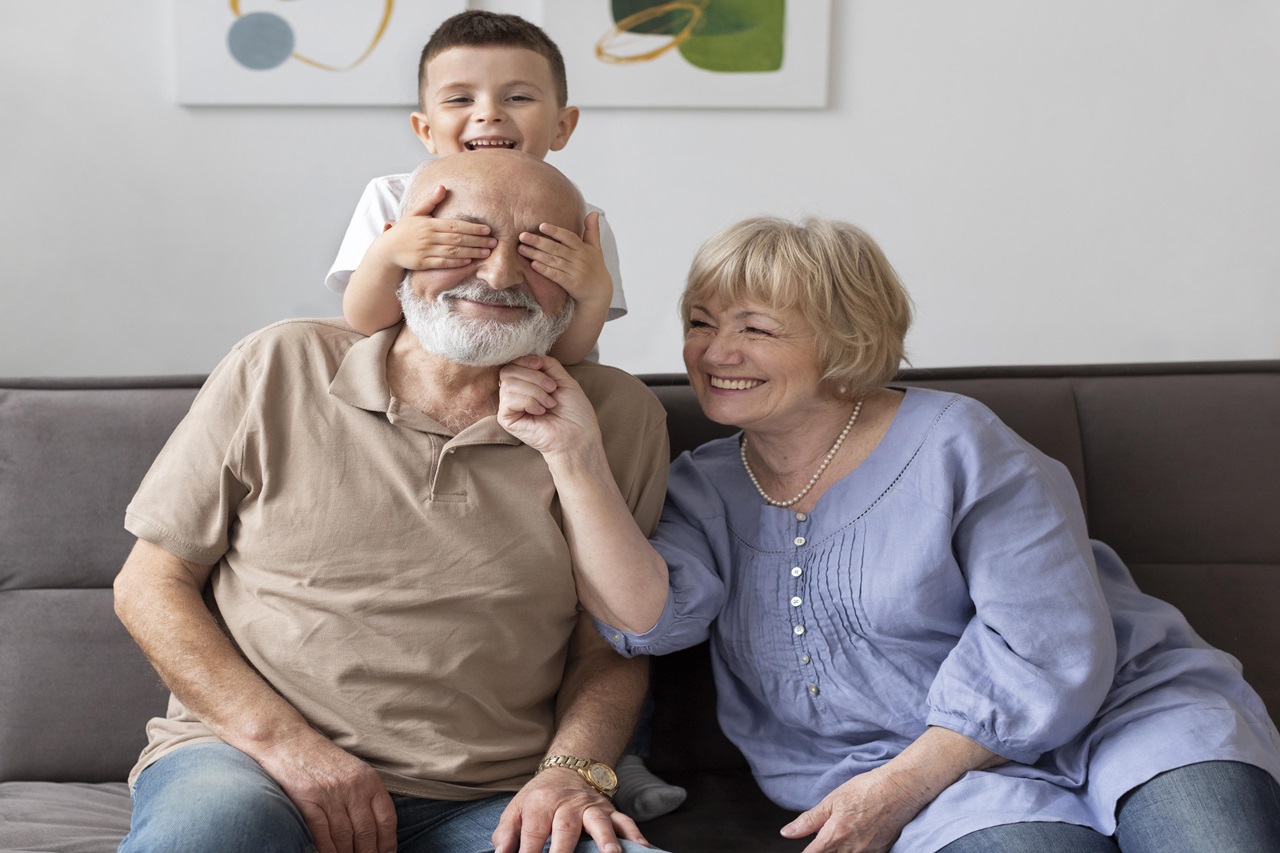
369,303
580,338
576,264
417,241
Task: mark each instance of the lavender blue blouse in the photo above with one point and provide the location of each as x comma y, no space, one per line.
948,581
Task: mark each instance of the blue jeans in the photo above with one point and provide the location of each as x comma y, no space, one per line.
1220,806
212,797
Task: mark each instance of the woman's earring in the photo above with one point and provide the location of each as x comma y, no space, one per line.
842,389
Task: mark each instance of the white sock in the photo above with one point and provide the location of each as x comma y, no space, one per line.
642,795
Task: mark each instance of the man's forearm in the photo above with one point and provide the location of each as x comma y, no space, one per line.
158,598
599,700
596,711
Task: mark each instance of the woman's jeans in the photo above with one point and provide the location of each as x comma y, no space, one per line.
1214,807
212,797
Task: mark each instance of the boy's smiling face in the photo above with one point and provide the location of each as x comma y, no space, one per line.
492,97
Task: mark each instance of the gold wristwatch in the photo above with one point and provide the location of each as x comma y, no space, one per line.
598,774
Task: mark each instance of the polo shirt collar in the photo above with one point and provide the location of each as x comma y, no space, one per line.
361,381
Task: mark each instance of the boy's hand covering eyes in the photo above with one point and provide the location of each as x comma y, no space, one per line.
419,241
575,263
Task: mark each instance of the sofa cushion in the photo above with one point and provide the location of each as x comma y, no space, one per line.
76,689
63,818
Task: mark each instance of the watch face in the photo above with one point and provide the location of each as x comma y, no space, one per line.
602,776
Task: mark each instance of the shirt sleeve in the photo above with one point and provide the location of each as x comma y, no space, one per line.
1037,658
609,246
690,534
378,205
189,498
644,484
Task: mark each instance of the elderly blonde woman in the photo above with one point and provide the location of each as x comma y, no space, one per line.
914,640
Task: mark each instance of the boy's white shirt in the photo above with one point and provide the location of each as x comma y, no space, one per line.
380,204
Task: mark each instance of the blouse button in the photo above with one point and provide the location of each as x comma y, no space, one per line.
799,629
799,540
813,689
804,658
796,601
800,516
796,571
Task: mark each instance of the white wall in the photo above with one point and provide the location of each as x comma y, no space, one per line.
1056,182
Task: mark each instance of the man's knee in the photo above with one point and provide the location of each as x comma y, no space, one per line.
212,797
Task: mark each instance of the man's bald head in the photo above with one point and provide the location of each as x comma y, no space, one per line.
519,182
496,308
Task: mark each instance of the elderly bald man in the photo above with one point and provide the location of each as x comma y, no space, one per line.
357,586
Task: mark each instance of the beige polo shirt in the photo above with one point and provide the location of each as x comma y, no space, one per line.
408,590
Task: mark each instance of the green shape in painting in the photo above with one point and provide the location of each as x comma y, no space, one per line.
729,35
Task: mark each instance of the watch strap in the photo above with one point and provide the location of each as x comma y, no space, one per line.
582,766
570,761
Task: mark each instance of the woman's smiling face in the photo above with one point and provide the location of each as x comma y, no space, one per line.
753,366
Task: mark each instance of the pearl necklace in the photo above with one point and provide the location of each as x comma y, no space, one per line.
831,454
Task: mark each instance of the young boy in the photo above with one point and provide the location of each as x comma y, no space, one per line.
488,80
484,80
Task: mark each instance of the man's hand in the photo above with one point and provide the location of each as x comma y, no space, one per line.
558,804
345,805
575,263
540,404
864,815
419,241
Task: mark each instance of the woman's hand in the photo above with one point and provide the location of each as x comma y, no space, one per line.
540,404
864,815
867,813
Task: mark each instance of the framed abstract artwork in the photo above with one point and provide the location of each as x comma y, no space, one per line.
693,53
339,52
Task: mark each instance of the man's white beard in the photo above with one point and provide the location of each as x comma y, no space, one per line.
480,343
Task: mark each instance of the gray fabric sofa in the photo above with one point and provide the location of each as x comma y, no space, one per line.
1178,468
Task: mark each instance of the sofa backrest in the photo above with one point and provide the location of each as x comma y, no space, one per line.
76,692
1178,466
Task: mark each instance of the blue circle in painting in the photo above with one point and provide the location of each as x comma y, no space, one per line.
260,40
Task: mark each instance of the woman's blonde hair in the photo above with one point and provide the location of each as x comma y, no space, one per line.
832,272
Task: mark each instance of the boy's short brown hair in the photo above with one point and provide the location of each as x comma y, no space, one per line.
477,28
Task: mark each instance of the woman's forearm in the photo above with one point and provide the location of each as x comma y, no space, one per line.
936,759
621,579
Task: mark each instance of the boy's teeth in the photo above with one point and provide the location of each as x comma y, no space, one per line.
735,384
490,143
